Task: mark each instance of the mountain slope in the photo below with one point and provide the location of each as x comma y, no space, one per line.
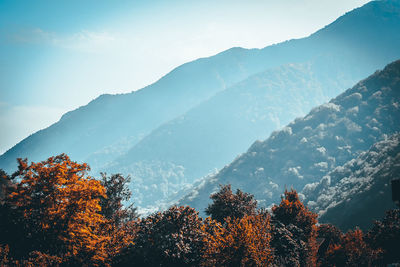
358,192
308,148
111,124
210,135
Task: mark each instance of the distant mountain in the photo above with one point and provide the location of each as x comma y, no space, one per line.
111,124
211,134
358,192
308,148
103,131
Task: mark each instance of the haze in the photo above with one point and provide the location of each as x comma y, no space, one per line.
56,56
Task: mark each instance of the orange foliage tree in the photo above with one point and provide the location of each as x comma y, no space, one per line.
352,251
58,211
242,242
292,211
299,227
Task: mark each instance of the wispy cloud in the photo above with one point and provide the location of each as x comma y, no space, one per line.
84,40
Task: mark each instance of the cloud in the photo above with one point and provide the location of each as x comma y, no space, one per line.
84,40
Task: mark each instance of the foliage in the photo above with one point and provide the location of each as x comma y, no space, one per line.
327,235
53,214
242,242
352,251
294,231
385,235
117,191
170,238
292,211
54,208
288,249
226,204
120,222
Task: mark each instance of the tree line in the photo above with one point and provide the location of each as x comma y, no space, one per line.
52,213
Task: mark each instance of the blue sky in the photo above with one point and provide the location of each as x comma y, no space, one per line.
58,55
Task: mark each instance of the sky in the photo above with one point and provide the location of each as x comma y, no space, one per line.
58,55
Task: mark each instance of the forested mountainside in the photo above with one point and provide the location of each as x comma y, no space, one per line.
212,134
110,124
358,192
308,148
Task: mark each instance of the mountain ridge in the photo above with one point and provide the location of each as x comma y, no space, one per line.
309,147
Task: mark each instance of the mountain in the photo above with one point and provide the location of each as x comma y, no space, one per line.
211,134
110,124
111,127
358,192
308,148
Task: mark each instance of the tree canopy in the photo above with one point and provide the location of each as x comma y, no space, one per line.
226,204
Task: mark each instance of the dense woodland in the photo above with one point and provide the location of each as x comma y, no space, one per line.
54,214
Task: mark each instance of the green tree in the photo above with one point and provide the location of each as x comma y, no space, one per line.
226,204
170,238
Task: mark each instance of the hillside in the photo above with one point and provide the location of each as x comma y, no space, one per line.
358,192
110,124
211,134
310,147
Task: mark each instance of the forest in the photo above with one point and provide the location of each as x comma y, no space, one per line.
54,214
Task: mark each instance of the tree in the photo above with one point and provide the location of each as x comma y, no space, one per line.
292,211
54,209
120,222
329,235
352,251
242,242
5,183
294,230
117,191
385,235
170,238
226,204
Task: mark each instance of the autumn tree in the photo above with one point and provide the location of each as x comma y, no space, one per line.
352,251
55,210
5,183
295,226
170,238
328,235
385,235
226,204
242,242
292,211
